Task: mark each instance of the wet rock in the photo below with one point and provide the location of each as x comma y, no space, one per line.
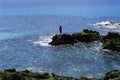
85,78
113,45
112,35
41,76
11,76
112,75
16,77
86,36
112,41
10,70
62,39
27,75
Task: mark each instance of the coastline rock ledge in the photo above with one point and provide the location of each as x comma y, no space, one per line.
110,41
12,74
85,36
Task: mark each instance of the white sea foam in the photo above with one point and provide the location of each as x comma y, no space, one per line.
97,46
107,24
34,69
43,41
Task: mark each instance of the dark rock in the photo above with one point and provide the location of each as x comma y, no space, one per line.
62,39
86,36
85,78
112,75
11,76
112,41
112,35
113,45
107,24
26,71
41,76
16,77
10,70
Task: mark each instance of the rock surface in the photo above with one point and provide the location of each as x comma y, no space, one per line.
85,36
27,75
110,41
62,39
112,75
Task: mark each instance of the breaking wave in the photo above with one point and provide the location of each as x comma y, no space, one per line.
107,24
43,41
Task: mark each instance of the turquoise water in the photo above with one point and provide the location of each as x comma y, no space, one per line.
26,29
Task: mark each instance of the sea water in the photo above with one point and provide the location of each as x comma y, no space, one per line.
26,31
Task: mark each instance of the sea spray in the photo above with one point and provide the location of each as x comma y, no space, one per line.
43,41
107,24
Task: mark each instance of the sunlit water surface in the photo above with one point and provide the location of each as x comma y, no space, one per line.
24,45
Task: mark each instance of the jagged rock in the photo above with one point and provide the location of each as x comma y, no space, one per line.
16,77
111,41
112,35
62,39
112,75
10,70
85,78
27,75
86,36
113,45
41,76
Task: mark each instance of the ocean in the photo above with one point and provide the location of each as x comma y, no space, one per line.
26,31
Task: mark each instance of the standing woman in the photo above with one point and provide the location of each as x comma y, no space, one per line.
60,29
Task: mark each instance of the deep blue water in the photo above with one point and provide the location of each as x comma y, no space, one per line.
81,8
75,10
25,32
24,45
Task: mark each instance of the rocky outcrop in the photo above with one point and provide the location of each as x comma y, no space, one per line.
27,75
112,75
85,36
110,41
62,39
